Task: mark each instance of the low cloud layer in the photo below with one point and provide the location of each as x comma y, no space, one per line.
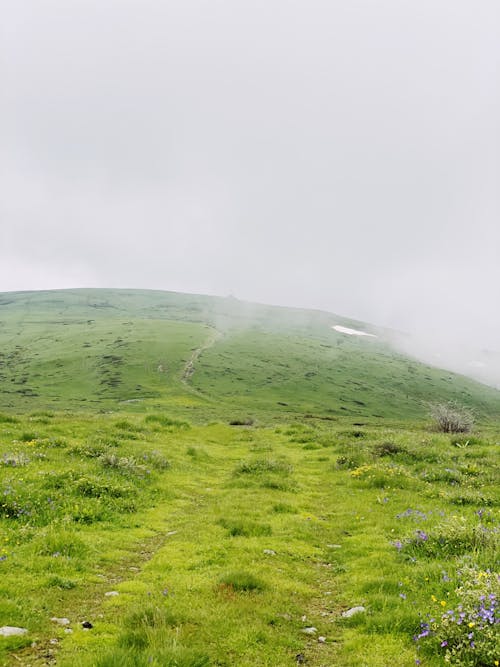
342,156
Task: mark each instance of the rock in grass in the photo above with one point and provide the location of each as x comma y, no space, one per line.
310,630
270,552
322,640
353,611
111,594
60,621
87,625
12,631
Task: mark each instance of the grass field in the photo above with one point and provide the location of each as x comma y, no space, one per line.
129,502
116,349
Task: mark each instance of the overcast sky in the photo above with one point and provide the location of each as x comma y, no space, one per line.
337,154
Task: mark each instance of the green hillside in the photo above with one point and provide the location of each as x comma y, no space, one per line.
140,350
190,481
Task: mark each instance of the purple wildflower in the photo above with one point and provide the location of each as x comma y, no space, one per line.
422,535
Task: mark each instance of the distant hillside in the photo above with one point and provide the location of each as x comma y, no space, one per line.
139,349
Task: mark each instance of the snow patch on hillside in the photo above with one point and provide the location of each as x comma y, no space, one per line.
352,332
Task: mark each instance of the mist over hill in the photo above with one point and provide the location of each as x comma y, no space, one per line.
462,356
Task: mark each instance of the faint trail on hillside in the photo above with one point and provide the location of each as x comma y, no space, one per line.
189,368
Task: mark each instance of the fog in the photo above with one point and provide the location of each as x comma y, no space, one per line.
331,154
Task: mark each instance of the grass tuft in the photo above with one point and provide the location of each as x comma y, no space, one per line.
241,581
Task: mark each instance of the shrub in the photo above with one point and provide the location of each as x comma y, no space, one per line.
452,418
128,464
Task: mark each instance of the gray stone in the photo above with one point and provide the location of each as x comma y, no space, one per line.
11,631
270,552
111,594
353,611
322,640
60,621
309,631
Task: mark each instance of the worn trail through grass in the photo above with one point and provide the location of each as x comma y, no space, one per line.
238,567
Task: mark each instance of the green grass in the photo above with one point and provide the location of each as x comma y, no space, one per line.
235,507
136,350
213,565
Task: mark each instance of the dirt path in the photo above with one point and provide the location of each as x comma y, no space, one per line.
189,368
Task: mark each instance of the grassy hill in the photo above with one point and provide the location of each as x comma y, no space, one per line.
191,481
141,350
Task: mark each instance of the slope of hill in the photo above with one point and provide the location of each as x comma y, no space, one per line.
139,528
141,350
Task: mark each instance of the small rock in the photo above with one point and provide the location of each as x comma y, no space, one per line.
134,569
322,640
270,552
111,594
87,625
54,641
353,612
60,621
310,630
11,631
68,631
171,532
